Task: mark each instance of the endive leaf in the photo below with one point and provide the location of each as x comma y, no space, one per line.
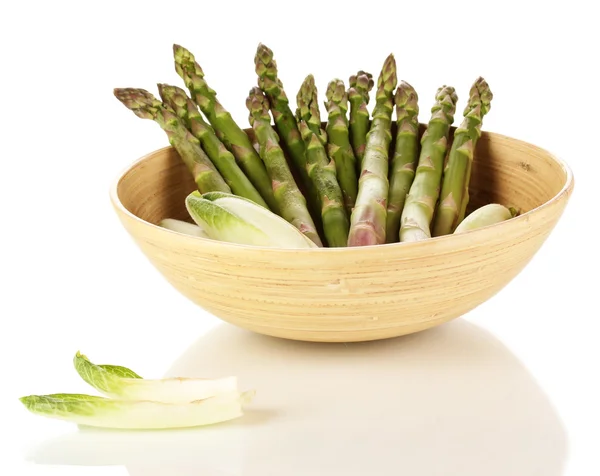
484,216
107,413
183,227
234,219
118,371
124,384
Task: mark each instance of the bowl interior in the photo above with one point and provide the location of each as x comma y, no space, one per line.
505,170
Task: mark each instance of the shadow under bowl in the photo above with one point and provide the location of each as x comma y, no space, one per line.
350,294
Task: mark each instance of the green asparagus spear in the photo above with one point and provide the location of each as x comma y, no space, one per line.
360,85
234,138
457,173
406,153
338,137
320,169
145,105
285,121
425,189
223,159
292,204
368,218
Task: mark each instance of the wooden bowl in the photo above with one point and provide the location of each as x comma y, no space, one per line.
350,294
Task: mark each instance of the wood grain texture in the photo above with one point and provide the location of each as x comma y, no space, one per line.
350,294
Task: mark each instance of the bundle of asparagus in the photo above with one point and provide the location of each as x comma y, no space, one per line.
352,181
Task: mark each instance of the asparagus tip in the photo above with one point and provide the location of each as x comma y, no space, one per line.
266,69
405,93
255,90
361,84
165,88
387,79
306,99
178,49
263,49
480,93
310,79
185,62
257,105
134,94
335,89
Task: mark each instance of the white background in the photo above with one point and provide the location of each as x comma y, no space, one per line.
522,387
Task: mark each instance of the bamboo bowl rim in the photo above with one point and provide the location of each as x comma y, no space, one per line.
565,190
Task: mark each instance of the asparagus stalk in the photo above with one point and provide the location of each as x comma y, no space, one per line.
320,169
339,147
291,202
368,218
360,85
234,138
285,121
145,105
221,157
406,153
425,189
457,173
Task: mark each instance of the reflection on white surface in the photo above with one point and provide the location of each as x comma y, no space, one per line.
152,453
449,401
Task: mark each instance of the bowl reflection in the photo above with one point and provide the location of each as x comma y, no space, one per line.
452,400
